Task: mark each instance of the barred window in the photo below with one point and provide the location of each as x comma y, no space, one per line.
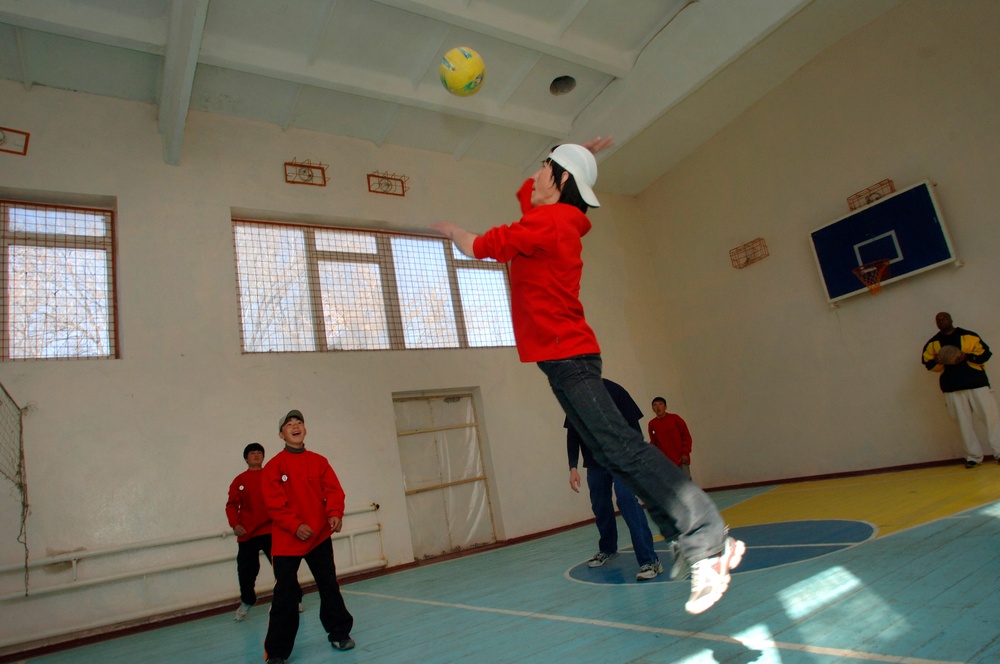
58,299
307,288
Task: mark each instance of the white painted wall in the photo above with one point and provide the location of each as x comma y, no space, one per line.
144,447
773,382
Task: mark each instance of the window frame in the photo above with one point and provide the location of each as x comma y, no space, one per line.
107,244
383,259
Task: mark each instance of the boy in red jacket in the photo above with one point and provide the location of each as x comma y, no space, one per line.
544,251
306,504
669,432
251,524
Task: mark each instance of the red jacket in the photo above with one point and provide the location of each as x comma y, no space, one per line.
670,434
300,488
245,506
543,250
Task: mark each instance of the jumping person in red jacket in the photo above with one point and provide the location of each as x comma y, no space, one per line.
306,504
544,250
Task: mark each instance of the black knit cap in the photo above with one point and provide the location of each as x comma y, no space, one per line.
252,447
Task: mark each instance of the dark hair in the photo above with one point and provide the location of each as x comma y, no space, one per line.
568,192
655,399
252,447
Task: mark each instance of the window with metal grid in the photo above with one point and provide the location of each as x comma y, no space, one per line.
314,288
58,296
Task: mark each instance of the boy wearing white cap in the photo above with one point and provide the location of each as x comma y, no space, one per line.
544,249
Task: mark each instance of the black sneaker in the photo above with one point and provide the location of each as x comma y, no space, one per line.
971,464
343,644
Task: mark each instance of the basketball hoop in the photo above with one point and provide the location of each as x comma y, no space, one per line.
871,274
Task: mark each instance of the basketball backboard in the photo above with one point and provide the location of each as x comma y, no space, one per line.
905,227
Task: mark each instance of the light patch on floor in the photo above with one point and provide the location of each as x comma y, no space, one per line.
891,501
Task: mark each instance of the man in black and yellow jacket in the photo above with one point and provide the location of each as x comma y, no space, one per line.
965,384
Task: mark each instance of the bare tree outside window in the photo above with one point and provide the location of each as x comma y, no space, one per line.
306,288
353,306
274,289
425,298
58,295
487,319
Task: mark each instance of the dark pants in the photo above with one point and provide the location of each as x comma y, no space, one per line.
600,482
248,565
676,504
283,621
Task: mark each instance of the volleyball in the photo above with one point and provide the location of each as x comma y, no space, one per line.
462,71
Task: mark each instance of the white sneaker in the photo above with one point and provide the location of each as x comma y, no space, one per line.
600,558
679,569
241,613
650,571
301,607
710,577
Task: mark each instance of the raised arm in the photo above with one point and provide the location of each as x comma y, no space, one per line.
598,143
462,238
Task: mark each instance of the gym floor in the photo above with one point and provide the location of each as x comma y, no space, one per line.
895,567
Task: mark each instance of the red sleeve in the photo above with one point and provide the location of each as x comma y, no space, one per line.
276,500
685,437
524,195
524,237
333,493
502,243
233,503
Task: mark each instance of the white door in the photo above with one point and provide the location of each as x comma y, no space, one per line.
446,492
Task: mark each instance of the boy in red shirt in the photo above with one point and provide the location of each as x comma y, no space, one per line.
670,434
251,524
544,251
306,503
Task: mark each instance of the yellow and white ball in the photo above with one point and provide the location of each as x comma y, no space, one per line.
462,71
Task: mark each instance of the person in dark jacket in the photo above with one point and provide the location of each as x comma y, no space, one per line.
959,355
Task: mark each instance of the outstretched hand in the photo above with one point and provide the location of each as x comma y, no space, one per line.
444,228
462,238
598,143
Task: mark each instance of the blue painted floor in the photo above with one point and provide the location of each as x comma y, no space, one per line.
814,591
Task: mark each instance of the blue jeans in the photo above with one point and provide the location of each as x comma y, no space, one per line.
600,482
680,509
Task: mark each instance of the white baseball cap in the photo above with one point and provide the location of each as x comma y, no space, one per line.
580,163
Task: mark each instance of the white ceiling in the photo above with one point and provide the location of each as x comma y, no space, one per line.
661,76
